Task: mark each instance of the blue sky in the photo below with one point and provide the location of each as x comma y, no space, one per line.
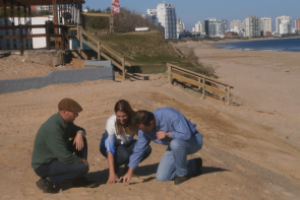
192,11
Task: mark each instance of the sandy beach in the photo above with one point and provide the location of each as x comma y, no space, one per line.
250,151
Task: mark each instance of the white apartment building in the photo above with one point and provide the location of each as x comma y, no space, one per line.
285,27
215,27
180,27
199,27
280,19
252,26
265,24
166,17
236,25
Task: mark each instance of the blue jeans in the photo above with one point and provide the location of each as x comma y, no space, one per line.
174,161
123,153
59,172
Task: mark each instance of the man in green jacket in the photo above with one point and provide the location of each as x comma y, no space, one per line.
52,158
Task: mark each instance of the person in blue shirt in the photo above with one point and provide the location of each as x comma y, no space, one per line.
169,127
117,141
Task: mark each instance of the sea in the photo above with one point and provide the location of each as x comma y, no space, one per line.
292,45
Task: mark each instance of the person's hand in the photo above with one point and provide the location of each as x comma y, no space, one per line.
78,141
86,163
160,135
112,179
127,177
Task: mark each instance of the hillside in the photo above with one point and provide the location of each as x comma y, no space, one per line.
149,52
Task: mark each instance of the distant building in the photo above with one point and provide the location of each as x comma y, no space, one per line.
252,26
285,27
231,34
165,17
199,27
236,25
215,27
297,24
279,20
265,25
180,27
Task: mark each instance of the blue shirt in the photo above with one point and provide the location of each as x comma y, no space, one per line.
167,119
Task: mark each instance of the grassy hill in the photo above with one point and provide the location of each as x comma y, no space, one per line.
149,52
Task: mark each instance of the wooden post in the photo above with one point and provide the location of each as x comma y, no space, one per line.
111,24
123,67
62,39
228,95
199,80
99,50
47,35
21,40
79,39
203,88
170,74
66,29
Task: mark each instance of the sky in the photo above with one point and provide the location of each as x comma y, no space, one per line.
192,11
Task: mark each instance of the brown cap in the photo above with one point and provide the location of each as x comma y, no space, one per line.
69,105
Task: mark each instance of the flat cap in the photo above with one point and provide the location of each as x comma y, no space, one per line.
69,105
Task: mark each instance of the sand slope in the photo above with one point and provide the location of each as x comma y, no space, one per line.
243,159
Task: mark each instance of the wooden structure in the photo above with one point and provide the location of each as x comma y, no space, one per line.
204,83
64,39
65,12
110,16
101,49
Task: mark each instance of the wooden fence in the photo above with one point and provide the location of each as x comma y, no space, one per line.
204,83
63,36
102,50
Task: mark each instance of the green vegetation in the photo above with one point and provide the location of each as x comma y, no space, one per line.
149,52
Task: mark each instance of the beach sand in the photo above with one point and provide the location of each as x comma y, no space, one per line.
249,151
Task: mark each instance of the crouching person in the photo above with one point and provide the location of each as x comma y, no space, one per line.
169,127
60,150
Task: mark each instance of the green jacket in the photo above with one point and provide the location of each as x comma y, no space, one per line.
51,142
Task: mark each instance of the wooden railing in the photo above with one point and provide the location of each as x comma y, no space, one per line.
102,50
63,36
204,83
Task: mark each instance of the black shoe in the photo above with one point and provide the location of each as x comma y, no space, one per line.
198,162
84,182
45,185
178,180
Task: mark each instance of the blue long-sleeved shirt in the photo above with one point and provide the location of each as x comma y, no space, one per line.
167,119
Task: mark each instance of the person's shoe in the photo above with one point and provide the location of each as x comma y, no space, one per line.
198,162
45,185
84,182
178,180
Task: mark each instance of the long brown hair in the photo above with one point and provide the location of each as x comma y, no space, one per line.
130,127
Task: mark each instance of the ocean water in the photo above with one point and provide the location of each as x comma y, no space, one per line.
292,45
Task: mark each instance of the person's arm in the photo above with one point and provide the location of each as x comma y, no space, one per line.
137,155
59,148
77,133
110,152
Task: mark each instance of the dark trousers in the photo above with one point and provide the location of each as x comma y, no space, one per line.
123,153
59,173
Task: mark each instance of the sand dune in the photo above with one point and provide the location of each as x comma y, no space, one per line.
246,153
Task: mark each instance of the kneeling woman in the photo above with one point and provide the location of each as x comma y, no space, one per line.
117,143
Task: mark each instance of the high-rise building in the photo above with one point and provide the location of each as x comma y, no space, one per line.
297,24
215,27
279,20
252,26
166,17
285,27
265,25
236,25
180,27
199,27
